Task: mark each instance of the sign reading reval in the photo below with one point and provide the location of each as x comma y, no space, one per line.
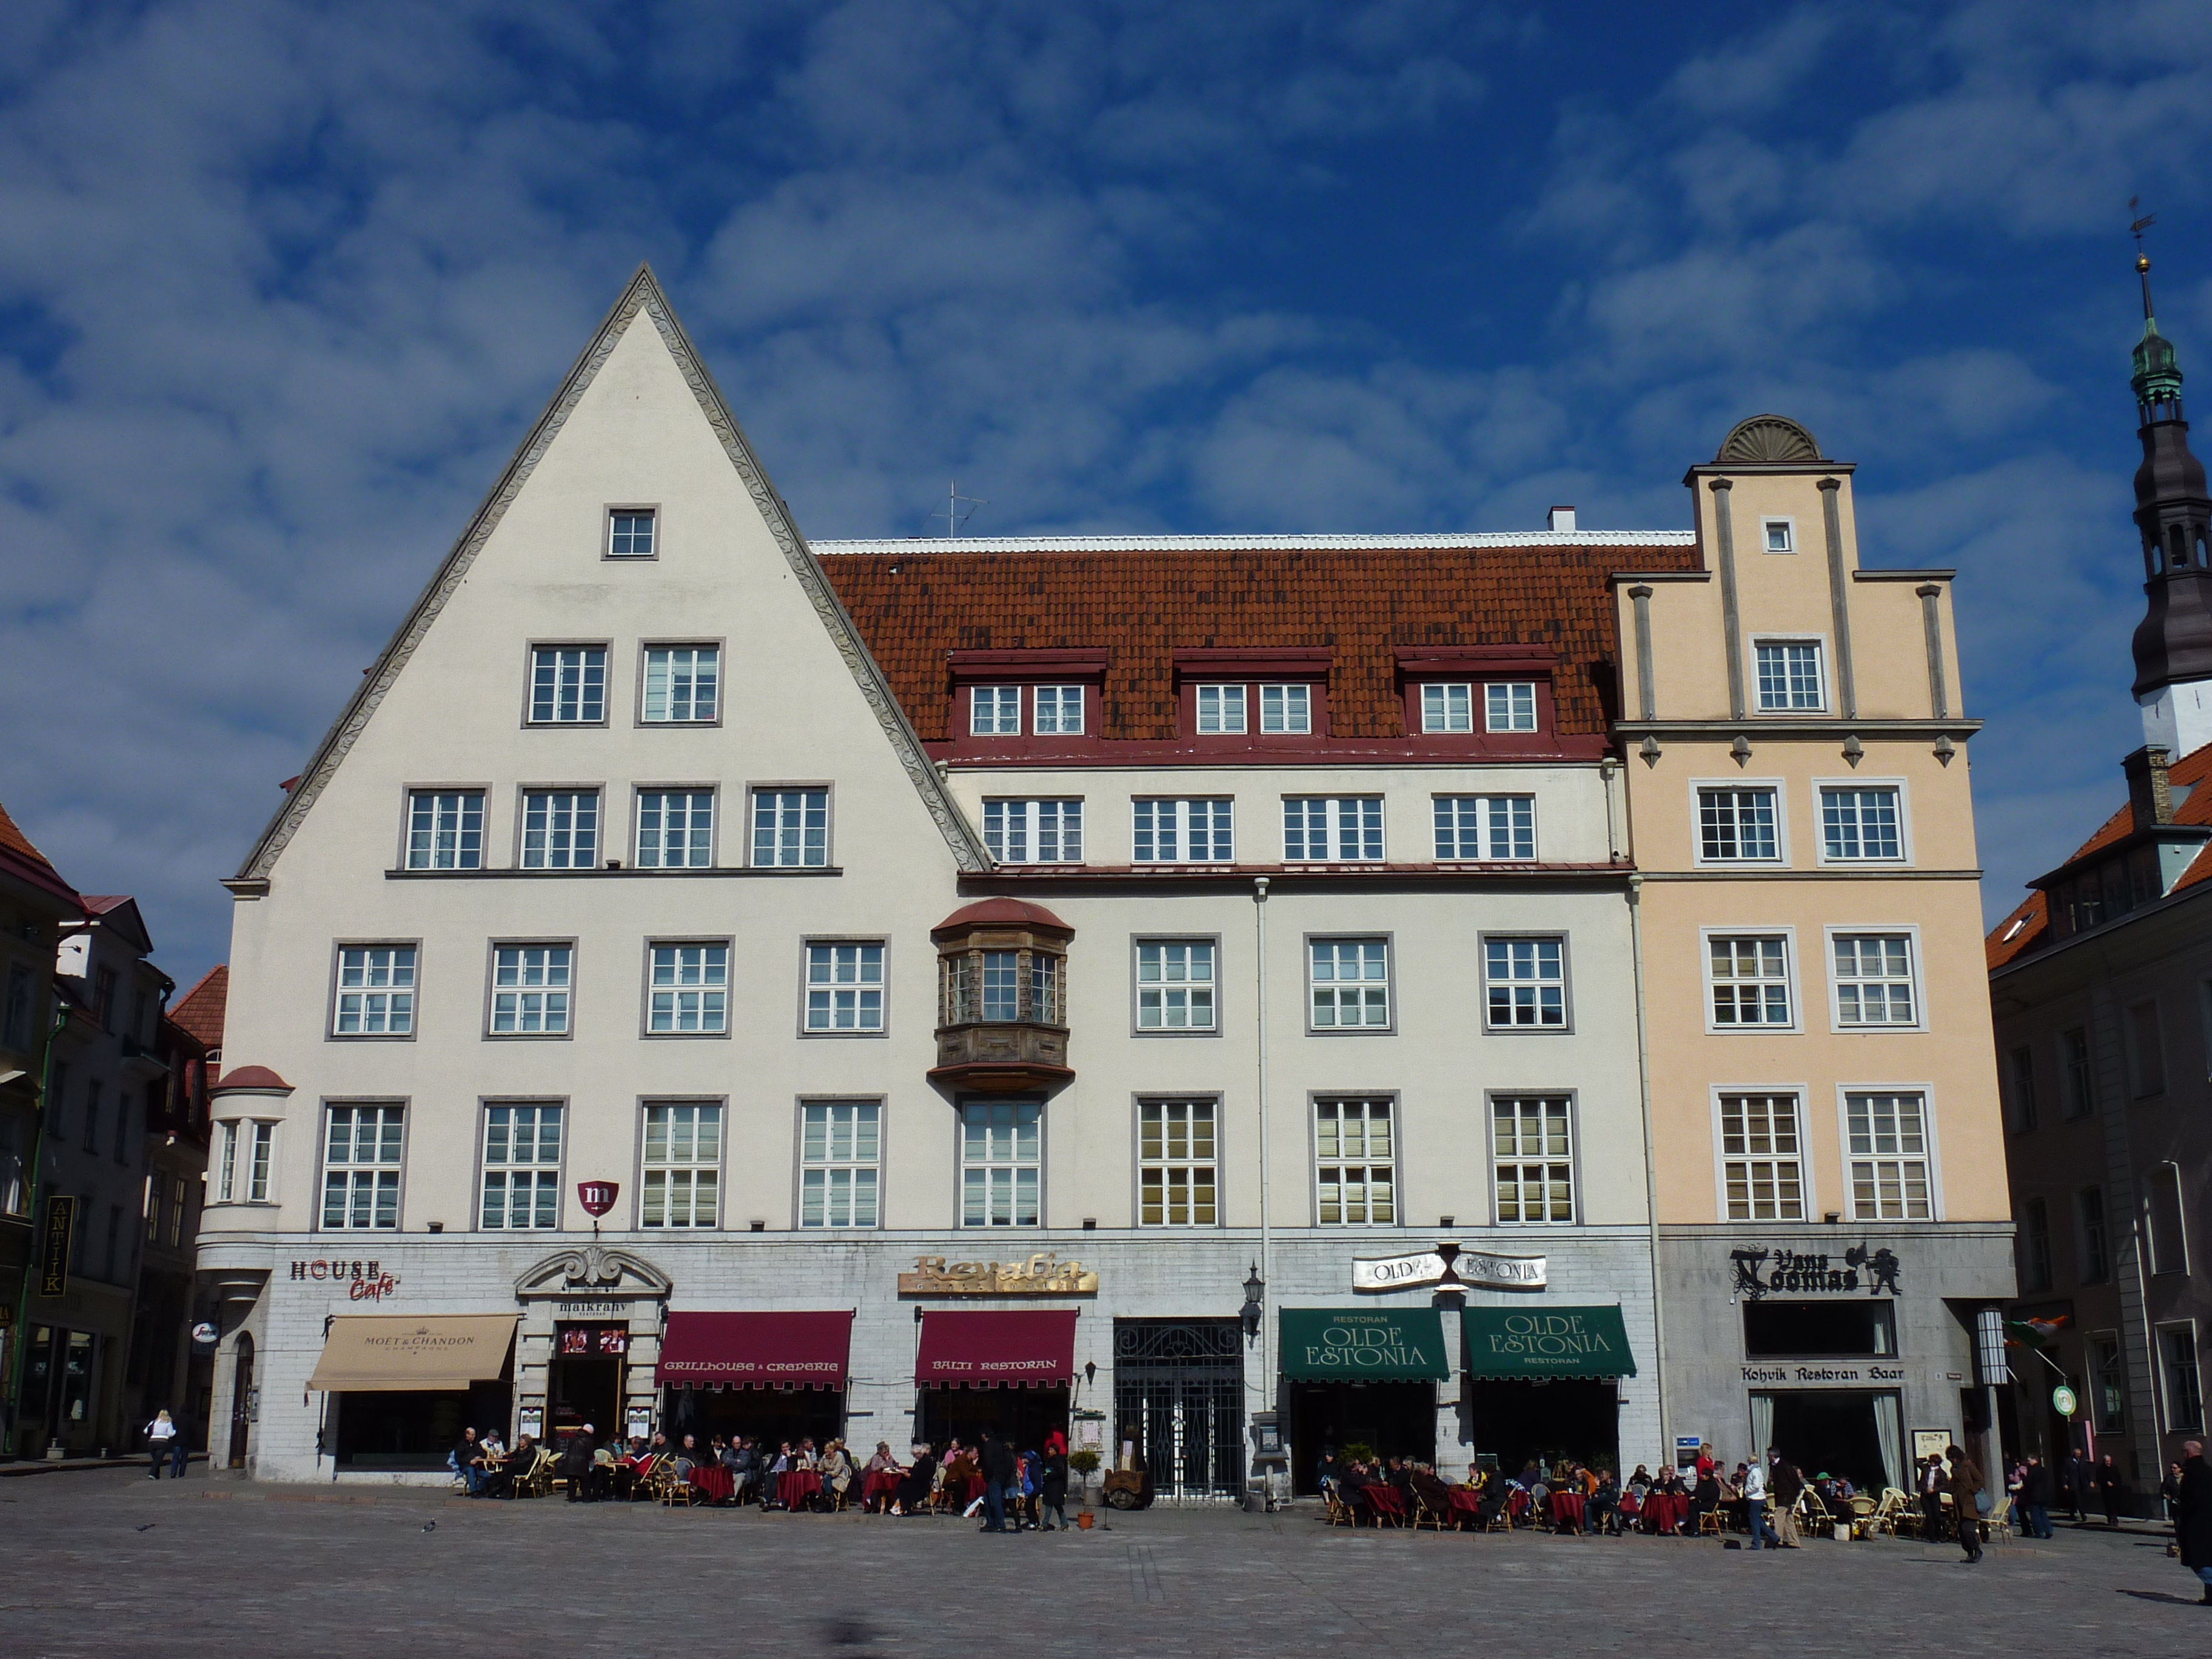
1364,1344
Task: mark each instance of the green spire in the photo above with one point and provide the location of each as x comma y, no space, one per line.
2157,378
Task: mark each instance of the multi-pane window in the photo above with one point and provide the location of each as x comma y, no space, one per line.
629,534
530,987
1220,709
361,1168
1034,831
242,1162
1485,827
2185,1385
1509,706
444,829
682,1165
521,1167
1000,1163
260,1147
994,711
791,827
1777,534
1789,677
2089,1218
1761,1176
1175,1164
1887,1138
1285,709
1001,985
690,989
376,991
1332,829
1860,823
1525,984
845,988
1059,711
2035,1246
1750,980
2074,1053
1736,824
177,1194
1355,1163
1349,982
1175,985
1182,831
838,1174
2108,1386
675,828
567,685
1532,1159
1044,989
1447,708
681,683
560,829
2019,1089
1873,980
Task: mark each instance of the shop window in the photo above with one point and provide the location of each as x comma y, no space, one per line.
1844,1329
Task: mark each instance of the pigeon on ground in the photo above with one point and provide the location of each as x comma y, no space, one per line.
430,1526
148,1527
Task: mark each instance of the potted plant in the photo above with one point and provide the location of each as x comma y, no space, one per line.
1083,1461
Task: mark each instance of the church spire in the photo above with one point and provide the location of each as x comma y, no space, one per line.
2173,511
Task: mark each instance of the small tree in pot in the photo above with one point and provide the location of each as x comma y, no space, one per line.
1084,1461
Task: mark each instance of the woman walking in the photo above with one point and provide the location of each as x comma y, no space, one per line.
1966,1505
160,1436
1052,1497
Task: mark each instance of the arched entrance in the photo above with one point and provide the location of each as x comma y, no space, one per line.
241,1401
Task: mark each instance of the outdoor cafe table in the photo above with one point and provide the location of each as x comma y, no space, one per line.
1567,1509
1665,1512
794,1489
716,1482
1465,1508
881,1483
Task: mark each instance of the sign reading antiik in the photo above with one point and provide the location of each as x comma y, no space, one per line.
54,1244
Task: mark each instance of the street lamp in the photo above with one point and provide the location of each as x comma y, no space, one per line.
1255,1289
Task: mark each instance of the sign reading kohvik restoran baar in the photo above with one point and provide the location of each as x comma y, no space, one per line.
1515,1343
1363,1345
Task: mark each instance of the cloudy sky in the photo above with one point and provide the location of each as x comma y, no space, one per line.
282,284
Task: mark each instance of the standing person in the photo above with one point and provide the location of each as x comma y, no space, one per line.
1754,1500
998,1472
1965,1483
2108,1490
576,1464
160,1435
1788,1485
1052,1496
2192,1515
2080,1477
2035,1496
1930,1483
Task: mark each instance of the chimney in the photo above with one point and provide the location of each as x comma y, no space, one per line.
2150,799
1562,518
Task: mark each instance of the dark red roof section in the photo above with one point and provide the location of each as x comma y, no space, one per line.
200,1010
251,1077
19,858
1361,605
1001,913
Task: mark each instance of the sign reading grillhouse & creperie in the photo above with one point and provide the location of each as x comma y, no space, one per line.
1364,1344
1510,1342
1473,1268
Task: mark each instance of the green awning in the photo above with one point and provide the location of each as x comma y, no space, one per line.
1367,1345
1529,1342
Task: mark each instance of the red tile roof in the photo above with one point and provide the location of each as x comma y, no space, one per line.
1361,604
200,1010
20,858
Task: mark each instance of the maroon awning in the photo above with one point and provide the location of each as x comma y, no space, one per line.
756,1350
996,1349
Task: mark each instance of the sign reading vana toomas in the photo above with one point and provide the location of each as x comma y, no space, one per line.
1516,1342
1364,1344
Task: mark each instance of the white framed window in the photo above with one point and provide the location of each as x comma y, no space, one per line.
1220,710
530,986
1738,826
1197,831
1034,831
688,989
1355,1163
631,532
675,828
560,829
791,829
567,685
1747,980
1349,980
1789,676
1886,1133
1175,985
521,1168
1509,706
1002,1163
1874,983
838,1164
1860,823
376,993
682,1165
682,685
845,986
1532,1159
1448,707
1777,535
1473,827
1762,1168
445,829
1059,711
1176,1163
243,1159
361,1156
1525,984
1332,829
1285,710
994,711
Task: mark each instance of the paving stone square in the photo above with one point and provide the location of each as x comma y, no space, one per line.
110,1563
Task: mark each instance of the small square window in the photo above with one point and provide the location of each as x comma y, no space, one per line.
1781,536
567,685
689,990
994,711
1736,825
1451,708
1059,711
530,989
1750,976
791,829
629,534
1285,710
375,991
1857,824
675,828
681,685
560,829
1349,982
1789,676
1220,709
1175,985
444,829
1874,985
1510,706
845,988
1525,982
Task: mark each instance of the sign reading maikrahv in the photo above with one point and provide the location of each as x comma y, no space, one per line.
1795,1273
1043,1274
1448,1265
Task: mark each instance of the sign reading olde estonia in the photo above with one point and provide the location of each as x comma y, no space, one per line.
1795,1273
1043,1274
1449,1267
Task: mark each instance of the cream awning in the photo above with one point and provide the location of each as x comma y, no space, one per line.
392,1354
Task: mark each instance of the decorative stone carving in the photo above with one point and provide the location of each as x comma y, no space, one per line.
592,1268
1765,440
1740,750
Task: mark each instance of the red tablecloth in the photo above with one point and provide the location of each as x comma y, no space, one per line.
1465,1506
1665,1512
975,1486
1516,1503
880,1483
1567,1509
794,1489
1384,1500
717,1482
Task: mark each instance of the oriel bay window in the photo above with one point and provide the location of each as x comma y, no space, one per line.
1002,1024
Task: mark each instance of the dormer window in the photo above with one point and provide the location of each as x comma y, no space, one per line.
996,711
1220,710
1447,708
1058,711
1285,710
996,696
1510,706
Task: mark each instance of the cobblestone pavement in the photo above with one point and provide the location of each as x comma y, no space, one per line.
113,1564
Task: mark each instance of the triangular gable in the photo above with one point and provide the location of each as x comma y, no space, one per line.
643,295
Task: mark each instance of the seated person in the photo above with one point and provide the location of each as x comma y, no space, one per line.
835,1468
1432,1490
687,1457
1640,1482
1605,1504
913,1494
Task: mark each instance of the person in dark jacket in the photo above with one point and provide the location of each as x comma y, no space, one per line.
1966,1486
912,1495
998,1472
2108,1490
1052,1491
2192,1516
2035,1496
576,1464
2081,1477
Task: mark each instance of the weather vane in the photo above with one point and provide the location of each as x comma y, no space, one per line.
2143,259
953,517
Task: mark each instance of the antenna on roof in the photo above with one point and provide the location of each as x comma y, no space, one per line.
953,517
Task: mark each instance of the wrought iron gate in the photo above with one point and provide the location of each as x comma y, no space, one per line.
1178,1396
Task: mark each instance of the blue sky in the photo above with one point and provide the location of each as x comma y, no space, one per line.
281,285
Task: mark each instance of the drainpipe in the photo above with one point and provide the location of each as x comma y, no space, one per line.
1266,1266
1650,1164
